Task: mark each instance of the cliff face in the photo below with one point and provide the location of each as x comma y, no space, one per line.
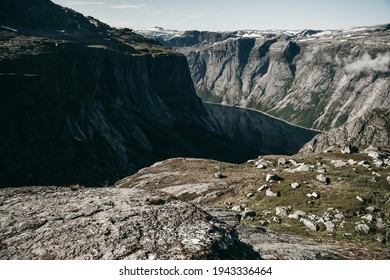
372,128
80,106
317,79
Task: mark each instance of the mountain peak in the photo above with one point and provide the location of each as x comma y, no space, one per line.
43,15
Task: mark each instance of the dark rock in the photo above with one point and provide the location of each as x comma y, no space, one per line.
94,104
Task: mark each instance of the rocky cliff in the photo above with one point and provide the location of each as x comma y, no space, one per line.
317,79
85,103
373,128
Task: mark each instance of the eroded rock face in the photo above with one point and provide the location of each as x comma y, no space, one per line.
110,223
372,128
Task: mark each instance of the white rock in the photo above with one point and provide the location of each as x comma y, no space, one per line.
363,228
302,168
283,161
388,179
349,149
352,162
359,198
310,224
281,211
248,213
250,194
338,163
271,193
323,179
262,188
375,174
295,185
321,170
330,227
237,208
368,217
339,216
272,177
276,220
297,214
313,195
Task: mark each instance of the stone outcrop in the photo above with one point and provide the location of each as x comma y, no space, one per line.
373,128
109,223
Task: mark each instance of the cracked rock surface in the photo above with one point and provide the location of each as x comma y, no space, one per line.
110,223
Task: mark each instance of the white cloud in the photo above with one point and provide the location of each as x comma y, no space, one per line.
366,63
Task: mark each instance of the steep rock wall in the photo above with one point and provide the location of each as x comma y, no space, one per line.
317,79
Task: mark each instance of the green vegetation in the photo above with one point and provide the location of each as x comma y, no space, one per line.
207,96
346,183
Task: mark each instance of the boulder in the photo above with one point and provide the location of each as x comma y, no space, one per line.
272,177
250,195
330,227
272,194
338,163
360,199
310,224
281,211
237,208
297,214
349,149
295,185
323,179
362,228
283,161
262,188
248,213
313,195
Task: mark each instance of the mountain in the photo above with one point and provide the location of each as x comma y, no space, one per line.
373,128
82,102
314,78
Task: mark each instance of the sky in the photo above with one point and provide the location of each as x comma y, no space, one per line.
230,15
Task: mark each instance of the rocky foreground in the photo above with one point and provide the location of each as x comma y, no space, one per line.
317,206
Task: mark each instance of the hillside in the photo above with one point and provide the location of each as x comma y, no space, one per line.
82,102
371,129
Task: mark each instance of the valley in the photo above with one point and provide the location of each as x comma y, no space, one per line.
158,144
318,79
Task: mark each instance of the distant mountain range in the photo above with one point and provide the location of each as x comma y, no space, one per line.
314,78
